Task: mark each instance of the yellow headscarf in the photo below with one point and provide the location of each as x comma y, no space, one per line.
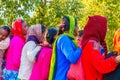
116,41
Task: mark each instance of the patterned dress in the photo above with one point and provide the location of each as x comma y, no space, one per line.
3,46
10,75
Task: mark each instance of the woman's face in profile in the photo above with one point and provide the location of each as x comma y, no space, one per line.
3,34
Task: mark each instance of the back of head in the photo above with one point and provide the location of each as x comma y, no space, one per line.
68,24
81,32
50,36
36,30
17,28
95,29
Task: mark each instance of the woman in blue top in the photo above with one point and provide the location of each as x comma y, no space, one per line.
65,50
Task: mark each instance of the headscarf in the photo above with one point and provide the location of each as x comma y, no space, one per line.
95,29
53,58
35,33
17,29
116,41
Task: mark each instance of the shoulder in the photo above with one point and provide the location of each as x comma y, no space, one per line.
30,44
63,38
93,44
7,39
46,50
17,39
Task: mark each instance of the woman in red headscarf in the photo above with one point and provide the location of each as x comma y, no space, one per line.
93,55
18,32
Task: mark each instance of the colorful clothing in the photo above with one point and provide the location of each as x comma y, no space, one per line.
10,74
14,54
65,56
15,49
64,53
116,41
3,46
94,63
114,75
27,59
79,44
76,71
30,51
35,30
41,67
95,29
17,29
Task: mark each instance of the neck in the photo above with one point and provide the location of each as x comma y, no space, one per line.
66,32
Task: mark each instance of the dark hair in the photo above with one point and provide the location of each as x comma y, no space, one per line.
6,28
81,32
22,21
43,28
50,35
66,25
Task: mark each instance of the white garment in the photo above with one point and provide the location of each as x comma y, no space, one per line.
27,59
4,44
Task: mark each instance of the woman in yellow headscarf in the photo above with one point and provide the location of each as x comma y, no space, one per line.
115,75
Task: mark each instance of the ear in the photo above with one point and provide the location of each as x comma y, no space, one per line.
76,31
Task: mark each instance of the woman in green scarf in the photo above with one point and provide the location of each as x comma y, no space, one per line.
65,50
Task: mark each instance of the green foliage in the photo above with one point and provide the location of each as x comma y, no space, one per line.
50,12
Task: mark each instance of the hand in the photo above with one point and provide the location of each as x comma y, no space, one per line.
117,59
39,44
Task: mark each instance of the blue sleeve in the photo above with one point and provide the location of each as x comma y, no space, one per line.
68,49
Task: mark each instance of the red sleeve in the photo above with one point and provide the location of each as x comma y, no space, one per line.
100,64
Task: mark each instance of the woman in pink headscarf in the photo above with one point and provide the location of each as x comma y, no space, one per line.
31,48
17,42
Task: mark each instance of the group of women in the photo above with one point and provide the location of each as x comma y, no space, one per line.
38,53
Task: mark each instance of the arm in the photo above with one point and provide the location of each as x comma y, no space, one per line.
32,50
4,44
102,65
66,45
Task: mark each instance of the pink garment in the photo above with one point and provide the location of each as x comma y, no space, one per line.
14,53
76,72
41,66
79,44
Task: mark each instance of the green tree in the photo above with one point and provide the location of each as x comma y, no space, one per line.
14,9
50,12
108,8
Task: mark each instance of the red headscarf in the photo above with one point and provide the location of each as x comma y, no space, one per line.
95,29
17,29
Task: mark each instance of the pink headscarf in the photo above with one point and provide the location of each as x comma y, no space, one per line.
35,30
